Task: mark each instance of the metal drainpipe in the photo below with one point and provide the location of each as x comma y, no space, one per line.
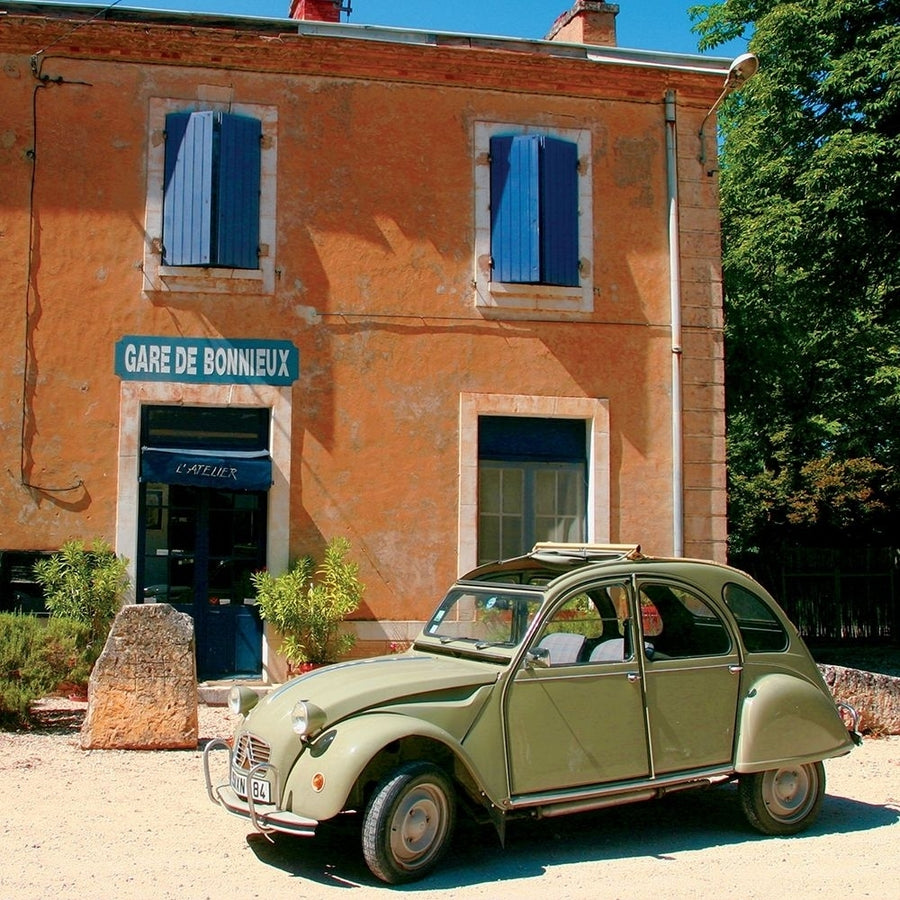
677,352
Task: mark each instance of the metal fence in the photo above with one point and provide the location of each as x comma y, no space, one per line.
834,594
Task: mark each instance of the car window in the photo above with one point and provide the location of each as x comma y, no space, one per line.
761,631
681,624
487,617
588,628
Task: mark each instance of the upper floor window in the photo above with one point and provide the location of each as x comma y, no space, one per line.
211,190
211,196
533,221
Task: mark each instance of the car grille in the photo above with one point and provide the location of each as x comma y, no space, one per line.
250,751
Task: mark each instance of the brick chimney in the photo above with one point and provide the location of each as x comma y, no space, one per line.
587,23
316,10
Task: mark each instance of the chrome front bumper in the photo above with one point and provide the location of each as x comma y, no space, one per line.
265,818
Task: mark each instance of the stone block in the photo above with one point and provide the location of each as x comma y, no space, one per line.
142,693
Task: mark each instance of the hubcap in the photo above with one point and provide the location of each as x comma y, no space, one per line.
418,825
789,793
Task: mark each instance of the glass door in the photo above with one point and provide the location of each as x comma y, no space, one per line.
200,548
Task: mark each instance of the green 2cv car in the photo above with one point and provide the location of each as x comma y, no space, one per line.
570,679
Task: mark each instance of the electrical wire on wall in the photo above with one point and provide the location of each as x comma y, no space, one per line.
42,82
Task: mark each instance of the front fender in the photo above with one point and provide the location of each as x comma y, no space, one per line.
787,720
324,775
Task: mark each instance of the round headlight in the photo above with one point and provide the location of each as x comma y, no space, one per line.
241,700
306,718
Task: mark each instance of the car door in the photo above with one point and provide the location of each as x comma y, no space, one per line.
692,678
578,720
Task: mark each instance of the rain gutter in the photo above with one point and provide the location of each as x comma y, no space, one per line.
675,316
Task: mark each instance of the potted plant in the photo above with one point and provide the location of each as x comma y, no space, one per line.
307,604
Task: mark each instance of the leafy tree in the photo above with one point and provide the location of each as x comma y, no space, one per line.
810,191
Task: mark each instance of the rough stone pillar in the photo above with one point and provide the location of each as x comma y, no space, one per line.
143,691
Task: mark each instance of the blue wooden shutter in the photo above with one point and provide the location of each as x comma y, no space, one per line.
515,208
188,189
559,212
237,221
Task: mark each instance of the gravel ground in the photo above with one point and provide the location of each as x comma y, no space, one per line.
130,824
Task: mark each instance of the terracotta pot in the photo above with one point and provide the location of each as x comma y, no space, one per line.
295,669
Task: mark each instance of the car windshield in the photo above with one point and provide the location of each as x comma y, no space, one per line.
484,617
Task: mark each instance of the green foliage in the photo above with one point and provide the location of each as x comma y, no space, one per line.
85,585
307,604
810,189
36,657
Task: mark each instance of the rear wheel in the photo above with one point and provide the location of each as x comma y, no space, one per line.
408,822
785,800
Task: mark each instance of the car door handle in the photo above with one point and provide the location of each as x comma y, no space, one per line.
634,676
735,670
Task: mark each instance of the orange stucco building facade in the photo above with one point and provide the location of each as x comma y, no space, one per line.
370,370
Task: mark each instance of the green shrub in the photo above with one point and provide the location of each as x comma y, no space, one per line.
36,657
307,604
85,585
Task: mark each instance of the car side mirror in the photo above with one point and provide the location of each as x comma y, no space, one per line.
538,658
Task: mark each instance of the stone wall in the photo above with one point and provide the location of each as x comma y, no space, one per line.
875,697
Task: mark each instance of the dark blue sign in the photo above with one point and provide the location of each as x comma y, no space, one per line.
231,471
207,361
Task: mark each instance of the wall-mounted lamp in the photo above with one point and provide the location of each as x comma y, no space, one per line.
741,70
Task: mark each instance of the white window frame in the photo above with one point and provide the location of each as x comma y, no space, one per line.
594,411
212,279
494,295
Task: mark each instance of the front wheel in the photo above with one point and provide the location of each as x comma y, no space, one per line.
408,822
783,801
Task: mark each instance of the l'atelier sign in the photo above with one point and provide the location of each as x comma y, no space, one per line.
207,361
235,470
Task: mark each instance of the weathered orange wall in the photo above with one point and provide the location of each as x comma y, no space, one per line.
374,282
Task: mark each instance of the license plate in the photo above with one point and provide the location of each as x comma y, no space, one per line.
260,790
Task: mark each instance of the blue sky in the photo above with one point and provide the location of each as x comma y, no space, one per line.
642,24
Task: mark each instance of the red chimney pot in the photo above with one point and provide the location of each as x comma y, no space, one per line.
587,22
316,10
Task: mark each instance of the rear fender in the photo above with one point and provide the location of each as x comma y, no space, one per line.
785,719
323,777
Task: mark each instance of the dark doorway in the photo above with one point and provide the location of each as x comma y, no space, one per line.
204,528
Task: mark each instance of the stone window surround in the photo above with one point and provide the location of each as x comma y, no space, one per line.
594,411
534,298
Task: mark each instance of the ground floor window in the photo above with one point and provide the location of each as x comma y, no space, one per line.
532,483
